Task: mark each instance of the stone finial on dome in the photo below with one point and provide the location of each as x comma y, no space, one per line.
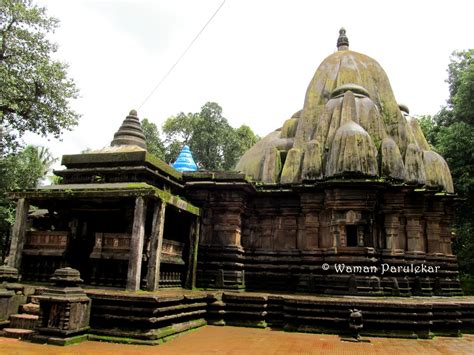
342,41
130,132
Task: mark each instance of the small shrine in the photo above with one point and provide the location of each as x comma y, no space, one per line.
116,217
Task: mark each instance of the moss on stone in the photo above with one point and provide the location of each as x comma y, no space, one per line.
414,167
107,190
417,133
289,128
312,161
352,151
437,171
161,165
392,162
291,172
271,166
347,87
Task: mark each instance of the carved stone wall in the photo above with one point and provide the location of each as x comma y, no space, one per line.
279,239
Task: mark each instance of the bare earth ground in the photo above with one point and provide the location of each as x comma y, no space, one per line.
237,340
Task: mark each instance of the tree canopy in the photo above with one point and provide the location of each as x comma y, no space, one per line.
451,132
152,137
214,143
35,89
23,170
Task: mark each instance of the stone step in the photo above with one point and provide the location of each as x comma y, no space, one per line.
31,308
34,297
23,321
24,334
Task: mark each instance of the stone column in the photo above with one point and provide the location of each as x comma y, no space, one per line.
308,238
18,233
445,236
156,243
193,253
225,255
335,236
433,231
308,222
136,245
415,242
392,226
342,235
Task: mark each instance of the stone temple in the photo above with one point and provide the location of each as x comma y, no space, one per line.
346,198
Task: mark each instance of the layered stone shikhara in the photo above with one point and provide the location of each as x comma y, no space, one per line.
350,125
350,179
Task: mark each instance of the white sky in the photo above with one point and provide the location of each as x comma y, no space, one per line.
255,59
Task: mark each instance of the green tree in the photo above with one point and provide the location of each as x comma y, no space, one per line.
463,101
152,136
242,140
35,89
460,62
451,132
178,131
22,170
430,129
214,143
210,136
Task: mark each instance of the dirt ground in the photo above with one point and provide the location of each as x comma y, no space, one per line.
237,340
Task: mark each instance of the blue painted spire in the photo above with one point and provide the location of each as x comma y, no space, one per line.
185,161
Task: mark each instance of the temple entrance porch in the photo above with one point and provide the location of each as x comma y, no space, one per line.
117,235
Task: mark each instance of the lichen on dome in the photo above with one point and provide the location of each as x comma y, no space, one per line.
352,152
356,89
350,123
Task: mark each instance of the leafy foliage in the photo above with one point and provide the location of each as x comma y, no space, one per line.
460,62
430,129
214,143
152,136
451,132
35,89
23,170
178,131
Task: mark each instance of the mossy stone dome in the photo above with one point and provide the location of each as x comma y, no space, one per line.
350,123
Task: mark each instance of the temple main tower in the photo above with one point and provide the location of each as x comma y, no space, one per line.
348,180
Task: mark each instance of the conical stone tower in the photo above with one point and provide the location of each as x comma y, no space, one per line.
130,132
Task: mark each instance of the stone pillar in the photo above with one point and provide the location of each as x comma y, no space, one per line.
64,310
18,233
445,237
392,229
156,242
335,236
360,236
308,222
308,238
227,226
225,255
433,231
136,246
193,253
342,235
415,240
